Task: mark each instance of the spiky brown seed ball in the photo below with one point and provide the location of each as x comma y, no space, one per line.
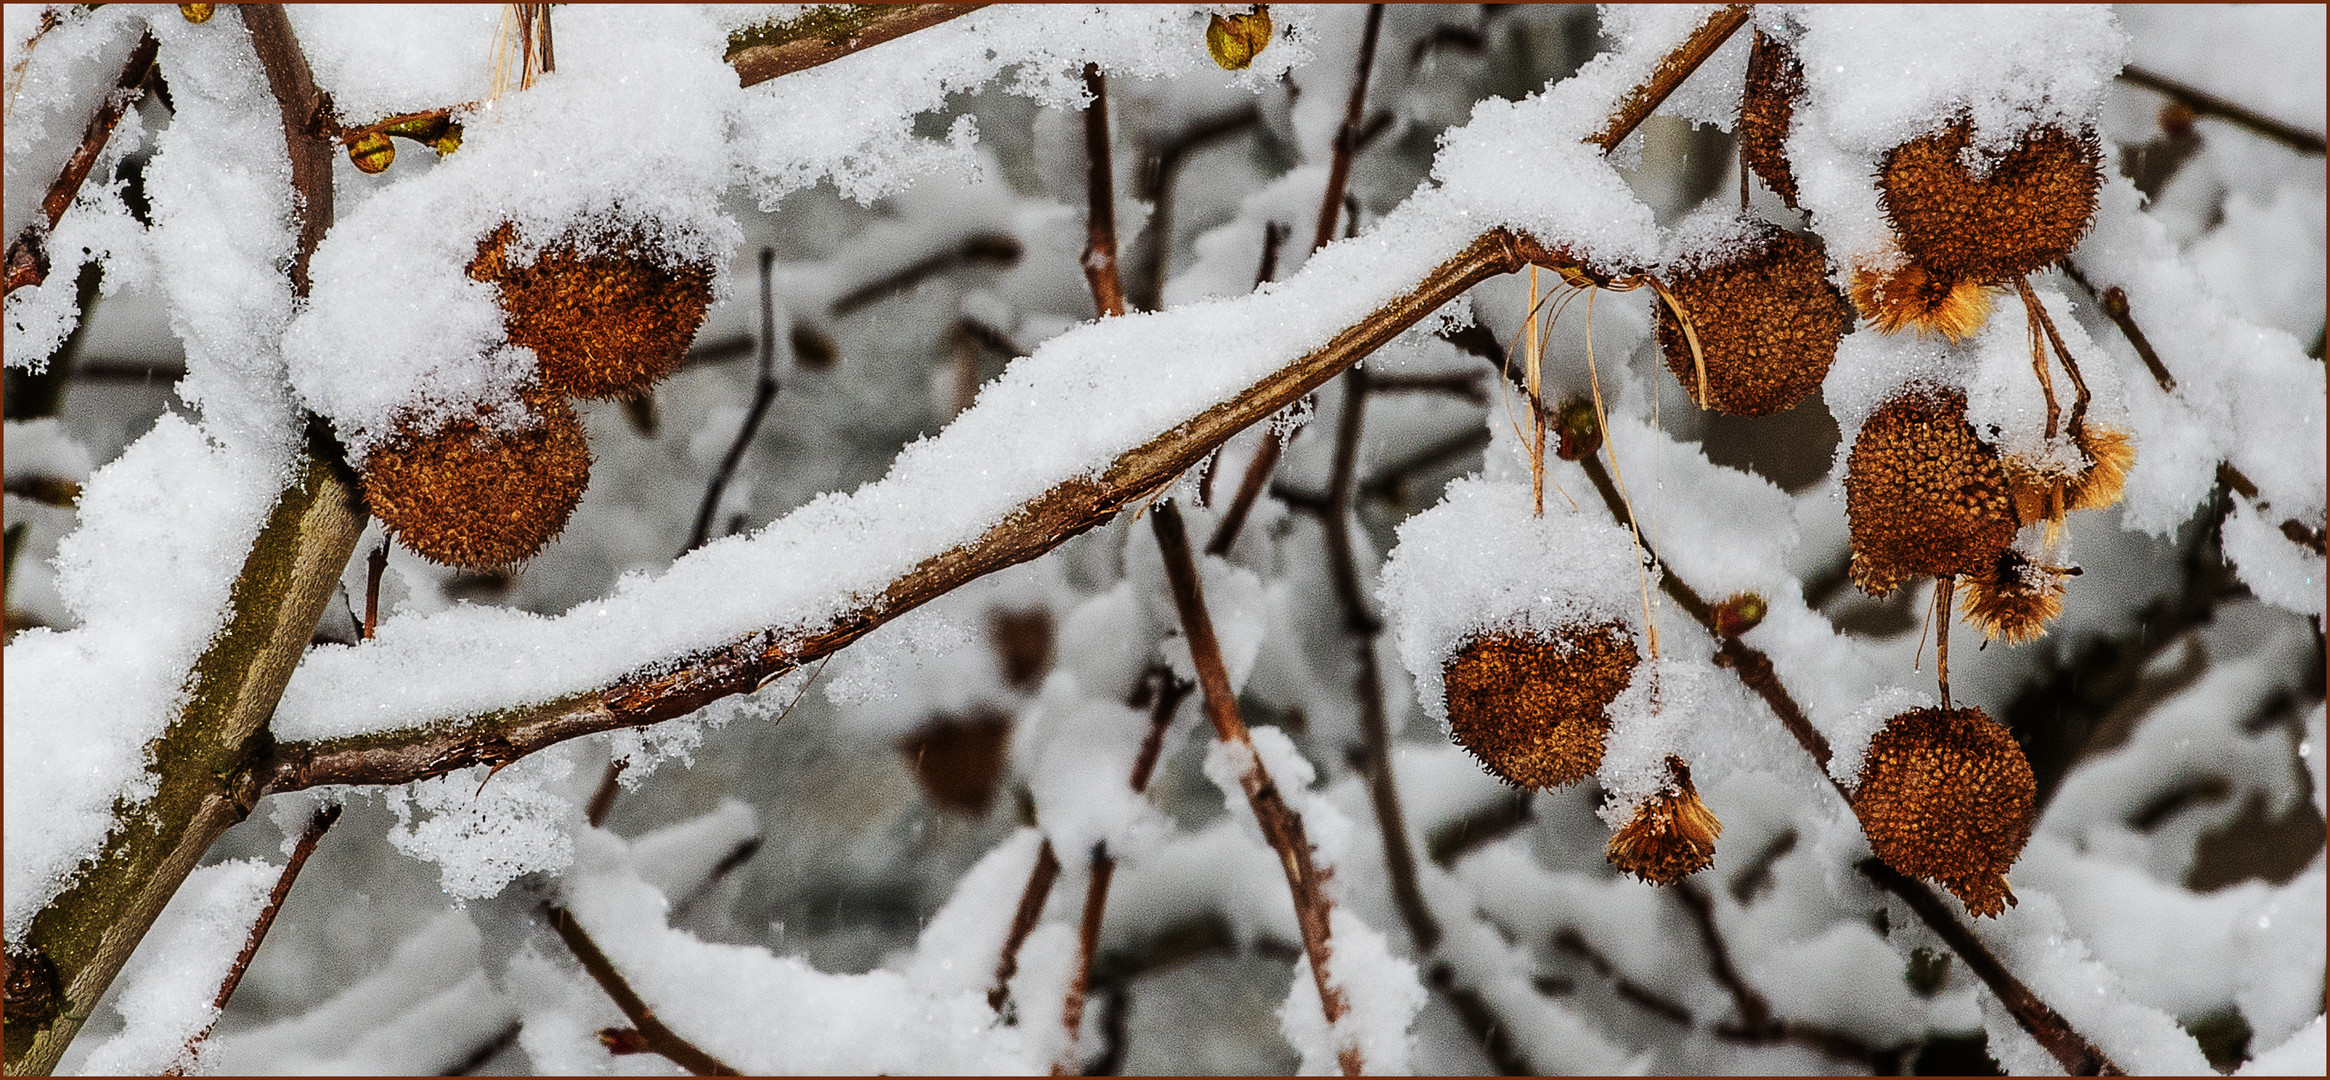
1923,494
2030,210
1766,318
605,320
1533,709
1775,78
477,497
1672,835
1946,795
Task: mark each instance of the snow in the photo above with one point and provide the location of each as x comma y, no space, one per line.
167,989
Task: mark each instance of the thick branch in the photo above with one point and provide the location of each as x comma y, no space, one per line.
652,1031
761,53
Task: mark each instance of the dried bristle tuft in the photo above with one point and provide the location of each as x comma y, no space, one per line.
1946,795
1672,835
1911,298
1533,710
2016,600
1766,317
2031,210
473,497
602,324
2109,457
1775,78
1923,495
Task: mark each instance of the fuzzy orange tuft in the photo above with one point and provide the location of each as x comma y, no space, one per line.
604,321
1946,795
1911,298
1672,835
1766,318
471,496
1775,79
2016,600
2031,209
1533,710
1923,494
2109,457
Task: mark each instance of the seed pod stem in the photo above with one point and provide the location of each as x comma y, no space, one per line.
1944,586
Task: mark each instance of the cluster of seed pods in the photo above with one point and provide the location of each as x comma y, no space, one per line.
606,317
1750,326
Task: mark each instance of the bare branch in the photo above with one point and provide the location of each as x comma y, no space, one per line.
760,53
651,1032
1023,922
316,827
1108,288
2207,104
764,392
28,262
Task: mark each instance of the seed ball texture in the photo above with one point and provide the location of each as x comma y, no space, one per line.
1532,709
1774,80
605,320
1766,318
2030,210
478,497
1923,494
1946,795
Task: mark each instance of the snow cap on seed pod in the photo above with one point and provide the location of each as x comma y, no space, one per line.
484,490
1764,320
606,311
1519,630
1775,79
1967,218
1671,835
1947,795
1923,494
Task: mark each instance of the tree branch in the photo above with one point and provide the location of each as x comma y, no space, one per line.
1280,824
2207,104
1108,289
316,827
652,1032
763,52
28,261
764,392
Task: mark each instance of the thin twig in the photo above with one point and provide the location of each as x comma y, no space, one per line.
1023,922
999,249
1087,949
652,1032
28,262
1279,823
764,391
375,565
2114,304
1156,183
761,53
1265,459
2207,104
1347,136
316,827
2071,1050
1108,289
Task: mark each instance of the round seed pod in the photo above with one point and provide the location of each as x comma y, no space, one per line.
1923,494
2032,208
1775,78
1946,795
1672,835
1766,318
1533,709
471,496
604,323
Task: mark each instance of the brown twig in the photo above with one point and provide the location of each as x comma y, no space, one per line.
1108,289
1672,69
28,262
764,392
1459,384
1158,173
760,53
1001,249
1023,922
316,827
1087,949
656,1037
375,565
2071,1050
1161,692
2114,304
1265,459
1279,822
2206,104
1347,136
305,116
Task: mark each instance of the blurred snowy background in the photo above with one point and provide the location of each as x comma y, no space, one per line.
2173,717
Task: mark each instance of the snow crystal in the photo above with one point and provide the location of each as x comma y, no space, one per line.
1076,753
484,828
1380,990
